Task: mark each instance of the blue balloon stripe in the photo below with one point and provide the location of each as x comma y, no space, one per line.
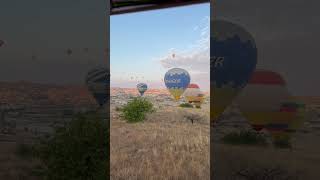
239,61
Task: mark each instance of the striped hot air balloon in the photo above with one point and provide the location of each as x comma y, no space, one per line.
142,87
177,80
194,95
298,109
97,81
191,92
261,100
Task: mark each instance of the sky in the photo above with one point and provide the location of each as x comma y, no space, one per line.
142,45
287,40
47,29
287,36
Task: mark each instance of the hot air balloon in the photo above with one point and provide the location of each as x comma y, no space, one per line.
176,81
261,100
69,52
142,87
86,50
233,59
191,92
34,57
299,110
199,100
1,43
193,95
97,82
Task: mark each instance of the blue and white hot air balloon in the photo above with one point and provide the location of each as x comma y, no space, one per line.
233,60
97,82
142,87
177,81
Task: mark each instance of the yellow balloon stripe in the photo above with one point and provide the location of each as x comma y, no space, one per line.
176,93
195,99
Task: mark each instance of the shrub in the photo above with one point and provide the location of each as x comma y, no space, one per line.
136,109
186,105
245,137
282,143
79,150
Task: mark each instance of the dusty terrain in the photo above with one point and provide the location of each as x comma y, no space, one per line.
301,161
166,146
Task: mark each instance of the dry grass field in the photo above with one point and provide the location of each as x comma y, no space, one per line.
14,166
165,146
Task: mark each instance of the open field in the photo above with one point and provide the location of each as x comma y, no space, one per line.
166,146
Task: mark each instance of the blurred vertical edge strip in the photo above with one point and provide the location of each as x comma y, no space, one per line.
152,5
107,60
212,16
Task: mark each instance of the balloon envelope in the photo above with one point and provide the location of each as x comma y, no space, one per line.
142,87
191,92
233,59
97,82
260,101
298,109
177,80
193,95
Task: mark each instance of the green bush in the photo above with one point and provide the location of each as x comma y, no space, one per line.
136,109
282,143
244,137
186,105
77,151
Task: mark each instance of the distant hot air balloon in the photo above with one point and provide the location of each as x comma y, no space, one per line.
233,59
86,50
261,100
34,57
177,80
142,87
69,52
1,43
97,82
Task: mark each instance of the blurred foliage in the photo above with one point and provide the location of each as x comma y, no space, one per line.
77,151
245,137
282,142
186,105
